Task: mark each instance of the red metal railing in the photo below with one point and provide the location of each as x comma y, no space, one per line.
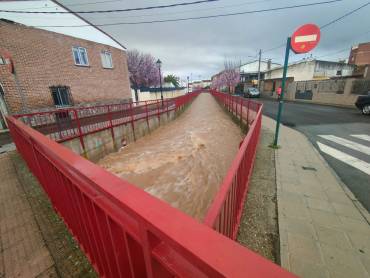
226,209
124,231
68,123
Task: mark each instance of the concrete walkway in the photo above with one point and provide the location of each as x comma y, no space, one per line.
323,230
23,252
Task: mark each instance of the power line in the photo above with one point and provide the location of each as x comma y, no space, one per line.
99,2
112,11
200,17
92,3
327,24
273,48
196,10
333,53
343,16
159,14
345,49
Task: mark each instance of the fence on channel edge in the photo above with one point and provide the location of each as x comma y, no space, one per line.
225,212
124,231
65,124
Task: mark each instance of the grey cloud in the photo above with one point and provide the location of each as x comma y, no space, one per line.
201,46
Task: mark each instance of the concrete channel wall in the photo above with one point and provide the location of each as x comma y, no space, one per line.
101,143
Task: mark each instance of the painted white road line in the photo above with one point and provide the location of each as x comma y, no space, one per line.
348,159
347,143
361,136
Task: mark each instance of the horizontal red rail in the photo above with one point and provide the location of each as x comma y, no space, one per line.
225,212
124,231
68,123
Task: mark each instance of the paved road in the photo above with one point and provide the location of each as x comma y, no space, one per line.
342,135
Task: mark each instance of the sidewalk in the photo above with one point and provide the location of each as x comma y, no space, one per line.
322,231
23,252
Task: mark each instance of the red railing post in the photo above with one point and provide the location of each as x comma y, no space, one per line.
248,112
132,120
146,114
80,135
241,110
109,114
167,108
158,113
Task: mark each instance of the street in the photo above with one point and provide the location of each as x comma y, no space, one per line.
341,135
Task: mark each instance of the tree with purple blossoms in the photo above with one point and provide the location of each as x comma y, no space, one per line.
229,77
142,69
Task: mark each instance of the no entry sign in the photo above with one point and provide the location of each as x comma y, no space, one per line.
305,38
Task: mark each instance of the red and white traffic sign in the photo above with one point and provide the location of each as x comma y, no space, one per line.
305,38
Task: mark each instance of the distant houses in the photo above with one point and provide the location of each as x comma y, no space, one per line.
309,69
199,84
311,80
249,71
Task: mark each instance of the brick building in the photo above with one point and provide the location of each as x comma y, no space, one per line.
40,69
360,54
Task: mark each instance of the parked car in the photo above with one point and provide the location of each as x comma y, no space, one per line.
252,92
363,103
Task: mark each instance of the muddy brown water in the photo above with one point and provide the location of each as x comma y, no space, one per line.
184,161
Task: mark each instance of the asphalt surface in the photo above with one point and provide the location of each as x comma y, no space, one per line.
331,130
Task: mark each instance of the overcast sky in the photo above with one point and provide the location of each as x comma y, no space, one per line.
200,47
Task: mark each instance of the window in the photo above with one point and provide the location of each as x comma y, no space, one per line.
61,96
339,72
80,56
106,59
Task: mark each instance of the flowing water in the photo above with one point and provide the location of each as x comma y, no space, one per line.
184,161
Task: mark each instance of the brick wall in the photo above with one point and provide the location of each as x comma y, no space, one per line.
360,55
43,59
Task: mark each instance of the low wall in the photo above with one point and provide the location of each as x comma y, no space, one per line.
341,92
145,96
101,143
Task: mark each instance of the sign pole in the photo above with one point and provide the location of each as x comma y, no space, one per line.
281,100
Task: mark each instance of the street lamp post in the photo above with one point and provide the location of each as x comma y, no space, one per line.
188,83
159,63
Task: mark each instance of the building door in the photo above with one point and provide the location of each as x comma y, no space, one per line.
3,109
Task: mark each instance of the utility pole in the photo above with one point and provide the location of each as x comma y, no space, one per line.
259,70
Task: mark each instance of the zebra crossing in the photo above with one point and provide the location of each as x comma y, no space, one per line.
353,150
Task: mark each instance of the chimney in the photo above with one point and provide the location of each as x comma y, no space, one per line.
268,64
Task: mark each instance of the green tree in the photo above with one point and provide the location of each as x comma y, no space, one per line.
171,78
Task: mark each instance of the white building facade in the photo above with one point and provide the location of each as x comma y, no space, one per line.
312,70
